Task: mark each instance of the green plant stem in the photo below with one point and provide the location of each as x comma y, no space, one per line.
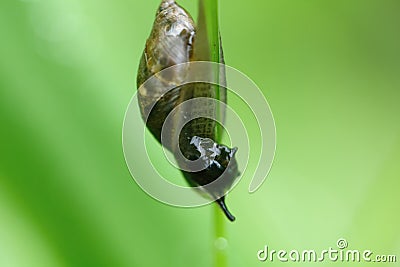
219,244
208,35
212,17
209,49
212,22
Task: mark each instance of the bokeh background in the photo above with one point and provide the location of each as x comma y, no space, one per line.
329,69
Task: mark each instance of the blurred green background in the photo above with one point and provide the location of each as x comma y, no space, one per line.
329,69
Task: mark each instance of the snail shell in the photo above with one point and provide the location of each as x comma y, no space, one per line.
173,41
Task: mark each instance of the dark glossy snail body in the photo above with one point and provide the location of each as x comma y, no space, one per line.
173,41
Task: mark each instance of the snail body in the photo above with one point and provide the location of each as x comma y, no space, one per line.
172,41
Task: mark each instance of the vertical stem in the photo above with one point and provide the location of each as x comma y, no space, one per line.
212,20
212,17
220,242
208,35
209,49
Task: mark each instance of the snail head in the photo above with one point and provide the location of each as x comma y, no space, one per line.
218,166
217,162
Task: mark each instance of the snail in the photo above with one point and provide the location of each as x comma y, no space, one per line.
172,41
